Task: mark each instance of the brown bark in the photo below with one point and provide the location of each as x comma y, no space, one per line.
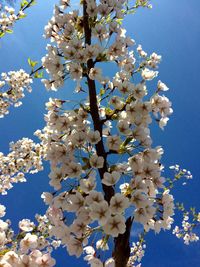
94,111
121,251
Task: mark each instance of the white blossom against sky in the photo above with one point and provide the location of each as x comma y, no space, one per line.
172,29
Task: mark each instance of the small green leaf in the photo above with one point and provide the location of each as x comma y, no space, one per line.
127,141
2,34
38,75
24,3
22,16
33,3
32,63
102,92
119,21
9,31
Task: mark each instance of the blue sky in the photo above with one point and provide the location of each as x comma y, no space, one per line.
172,29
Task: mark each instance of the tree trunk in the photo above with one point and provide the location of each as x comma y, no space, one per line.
121,252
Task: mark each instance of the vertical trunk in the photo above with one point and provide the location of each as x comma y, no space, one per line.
94,111
121,252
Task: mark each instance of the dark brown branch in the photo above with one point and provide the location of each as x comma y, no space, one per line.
121,251
94,110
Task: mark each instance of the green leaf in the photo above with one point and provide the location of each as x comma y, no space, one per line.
33,3
38,75
102,92
127,141
24,3
119,21
9,31
32,63
22,16
2,34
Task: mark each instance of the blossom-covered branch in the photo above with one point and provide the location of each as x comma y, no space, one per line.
9,17
106,173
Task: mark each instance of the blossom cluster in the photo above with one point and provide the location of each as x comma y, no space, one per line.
70,55
9,16
137,253
8,19
25,157
12,85
125,110
24,249
66,136
95,197
190,224
94,261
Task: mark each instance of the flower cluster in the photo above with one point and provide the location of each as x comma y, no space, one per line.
95,197
137,253
29,248
94,261
12,87
74,177
121,110
190,223
9,16
25,157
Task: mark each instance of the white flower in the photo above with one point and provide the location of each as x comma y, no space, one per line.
28,242
113,142
3,226
96,162
47,198
78,227
116,102
124,188
110,178
102,244
140,91
12,258
163,122
88,184
94,137
75,202
100,212
115,225
75,70
89,250
95,74
125,87
74,247
110,262
45,261
2,238
139,199
141,51
74,169
95,262
94,196
118,203
149,74
26,225
2,211
124,127
162,86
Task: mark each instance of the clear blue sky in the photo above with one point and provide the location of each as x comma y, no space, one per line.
172,29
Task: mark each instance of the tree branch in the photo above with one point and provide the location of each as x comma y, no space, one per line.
121,251
94,110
